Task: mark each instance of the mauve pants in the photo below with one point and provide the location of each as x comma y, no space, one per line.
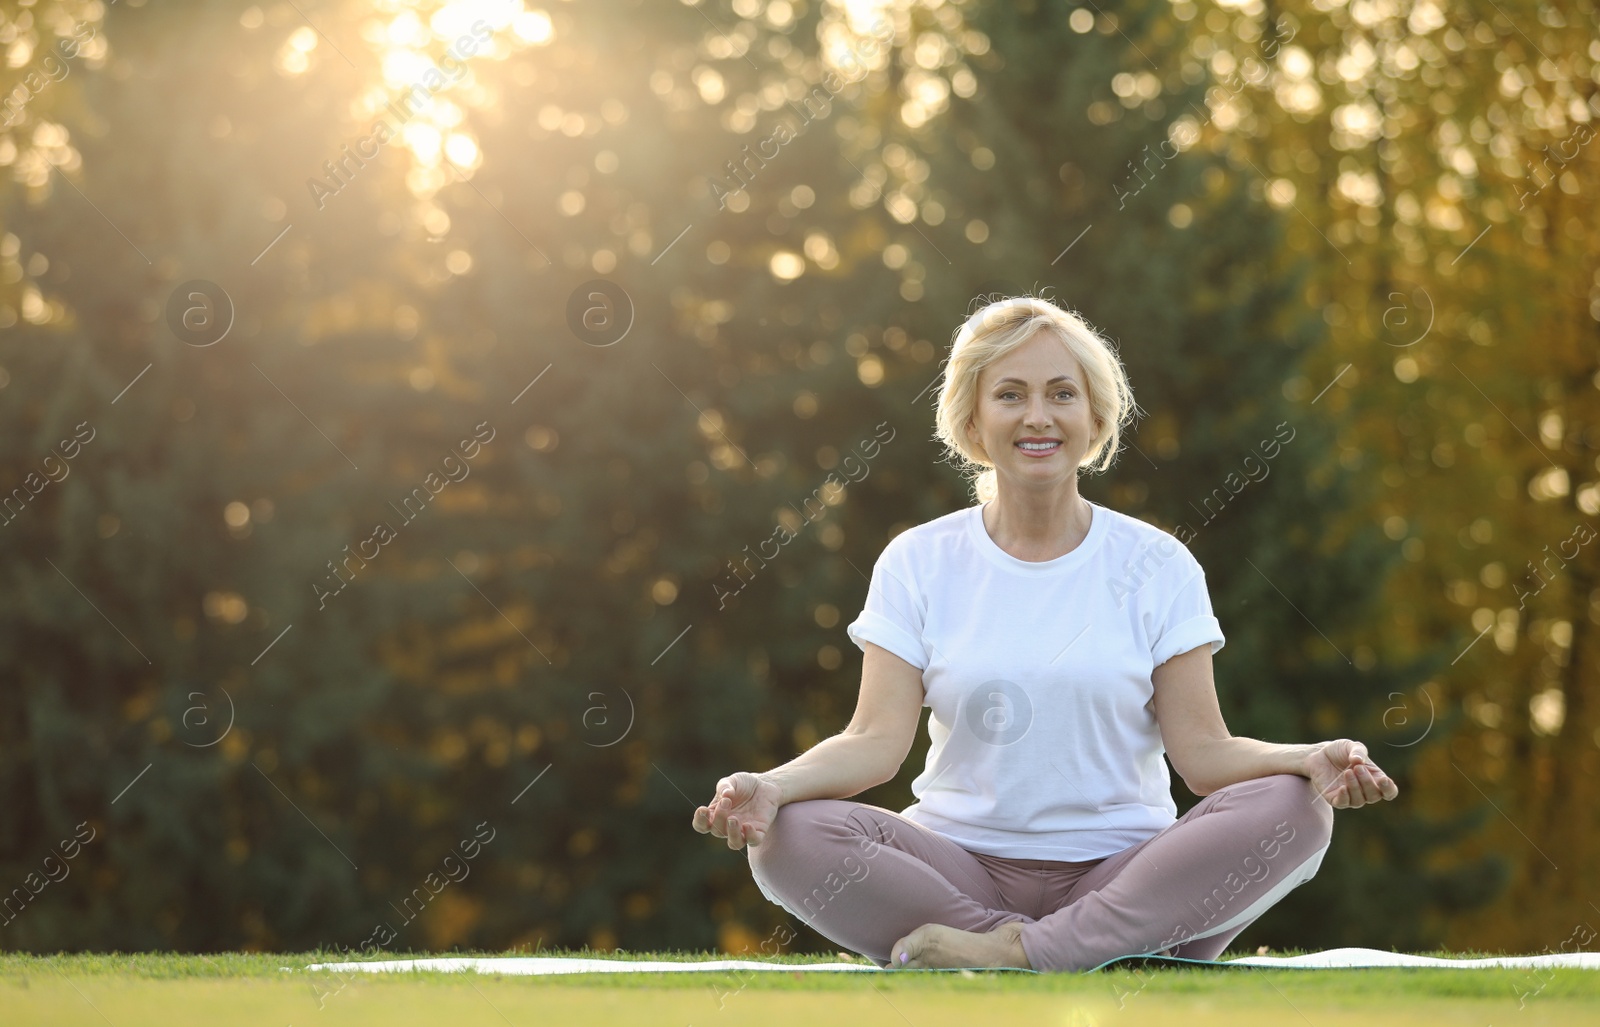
865,877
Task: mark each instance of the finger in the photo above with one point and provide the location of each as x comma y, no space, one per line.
1379,782
1386,784
735,833
1371,788
702,819
1364,786
719,818
1353,790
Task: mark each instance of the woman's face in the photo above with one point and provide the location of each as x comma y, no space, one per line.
1036,392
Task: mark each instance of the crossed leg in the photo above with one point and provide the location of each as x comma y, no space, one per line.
1191,888
864,877
1194,886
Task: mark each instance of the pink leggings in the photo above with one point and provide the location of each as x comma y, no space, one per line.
1190,888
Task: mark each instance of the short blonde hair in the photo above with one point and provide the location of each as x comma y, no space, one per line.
1000,327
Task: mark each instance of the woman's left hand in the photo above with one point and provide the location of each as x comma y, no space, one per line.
1342,773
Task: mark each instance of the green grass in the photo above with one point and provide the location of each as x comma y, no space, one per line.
134,990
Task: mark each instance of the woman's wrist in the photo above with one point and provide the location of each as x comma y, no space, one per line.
770,777
1303,757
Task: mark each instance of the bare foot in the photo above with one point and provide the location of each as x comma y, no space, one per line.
935,946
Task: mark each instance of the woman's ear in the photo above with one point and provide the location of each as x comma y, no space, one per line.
972,437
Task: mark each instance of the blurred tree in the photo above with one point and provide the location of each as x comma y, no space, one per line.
798,206
1438,157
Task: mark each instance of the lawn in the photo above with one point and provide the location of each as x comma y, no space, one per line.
250,989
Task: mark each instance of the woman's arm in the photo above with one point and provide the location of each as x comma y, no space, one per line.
834,768
1207,757
872,746
867,752
1219,762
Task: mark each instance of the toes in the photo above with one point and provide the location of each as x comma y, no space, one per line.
909,951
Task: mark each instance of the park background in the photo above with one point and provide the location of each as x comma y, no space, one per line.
1367,224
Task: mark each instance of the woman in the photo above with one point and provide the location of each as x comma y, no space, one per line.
1063,648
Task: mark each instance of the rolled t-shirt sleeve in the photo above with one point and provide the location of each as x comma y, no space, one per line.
1188,623
893,614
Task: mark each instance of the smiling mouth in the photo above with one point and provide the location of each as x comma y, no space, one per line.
1039,448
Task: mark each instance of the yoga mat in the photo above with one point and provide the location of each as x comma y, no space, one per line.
1338,959
1351,959
1332,959
522,965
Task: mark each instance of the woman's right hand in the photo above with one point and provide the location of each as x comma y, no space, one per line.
742,810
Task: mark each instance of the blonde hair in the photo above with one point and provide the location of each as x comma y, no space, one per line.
995,330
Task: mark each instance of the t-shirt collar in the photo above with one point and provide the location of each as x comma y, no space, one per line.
1099,520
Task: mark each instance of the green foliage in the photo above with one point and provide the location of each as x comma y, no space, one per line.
547,648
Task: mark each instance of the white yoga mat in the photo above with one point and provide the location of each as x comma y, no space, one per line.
523,965
1332,959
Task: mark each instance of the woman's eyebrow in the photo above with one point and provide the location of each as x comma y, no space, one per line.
1057,378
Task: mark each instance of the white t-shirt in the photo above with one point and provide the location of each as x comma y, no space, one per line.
1044,737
